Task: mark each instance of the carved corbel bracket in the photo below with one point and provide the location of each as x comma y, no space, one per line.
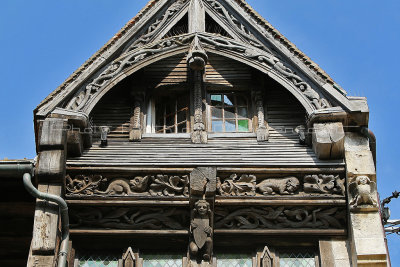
197,57
328,140
202,197
79,131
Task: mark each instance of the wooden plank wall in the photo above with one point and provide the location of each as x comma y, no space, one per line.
284,113
169,71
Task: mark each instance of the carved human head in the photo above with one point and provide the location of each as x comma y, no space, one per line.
363,180
202,207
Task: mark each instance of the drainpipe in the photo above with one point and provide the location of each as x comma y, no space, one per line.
25,168
62,255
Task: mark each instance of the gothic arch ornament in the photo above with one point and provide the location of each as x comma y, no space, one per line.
128,63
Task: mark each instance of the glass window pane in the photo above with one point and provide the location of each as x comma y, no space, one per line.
234,260
243,125
241,100
228,100
182,128
216,100
242,112
217,126
230,126
98,261
229,113
161,260
216,113
297,259
181,116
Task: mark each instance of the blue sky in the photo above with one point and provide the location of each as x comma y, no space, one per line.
43,41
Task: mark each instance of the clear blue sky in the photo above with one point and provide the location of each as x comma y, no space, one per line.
356,42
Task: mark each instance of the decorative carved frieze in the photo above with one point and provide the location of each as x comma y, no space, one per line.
265,58
280,217
160,22
235,24
129,218
272,61
147,185
249,185
120,64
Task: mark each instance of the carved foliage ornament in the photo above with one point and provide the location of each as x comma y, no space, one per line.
280,217
247,185
148,185
81,98
129,218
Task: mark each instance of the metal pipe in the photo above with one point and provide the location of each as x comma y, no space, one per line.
15,169
62,255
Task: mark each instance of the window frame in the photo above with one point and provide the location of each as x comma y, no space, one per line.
224,133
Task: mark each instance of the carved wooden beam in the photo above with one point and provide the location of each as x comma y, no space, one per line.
135,132
197,59
262,127
196,16
328,140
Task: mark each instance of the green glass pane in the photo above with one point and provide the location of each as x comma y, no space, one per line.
230,126
216,113
216,100
243,125
217,126
229,113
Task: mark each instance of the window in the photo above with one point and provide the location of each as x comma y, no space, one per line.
98,261
229,113
171,114
297,259
162,260
234,260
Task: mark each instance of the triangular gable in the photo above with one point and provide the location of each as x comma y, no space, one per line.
253,34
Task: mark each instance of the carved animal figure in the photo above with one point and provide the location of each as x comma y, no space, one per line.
363,191
283,186
123,186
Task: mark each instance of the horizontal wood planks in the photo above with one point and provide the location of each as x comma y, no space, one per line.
177,152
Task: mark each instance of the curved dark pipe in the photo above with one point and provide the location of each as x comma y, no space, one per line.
62,256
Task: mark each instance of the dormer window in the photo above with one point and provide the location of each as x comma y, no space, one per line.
229,113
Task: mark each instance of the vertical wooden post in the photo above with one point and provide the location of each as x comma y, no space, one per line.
262,128
135,131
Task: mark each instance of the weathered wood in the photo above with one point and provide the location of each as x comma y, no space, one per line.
127,232
283,232
279,201
74,143
53,134
196,16
46,222
51,165
128,202
328,140
41,261
203,180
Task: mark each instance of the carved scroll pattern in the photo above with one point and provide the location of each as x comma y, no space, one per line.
280,217
272,61
247,185
120,64
236,24
129,218
155,26
148,185
82,97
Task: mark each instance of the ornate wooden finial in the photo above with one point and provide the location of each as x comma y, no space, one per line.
197,57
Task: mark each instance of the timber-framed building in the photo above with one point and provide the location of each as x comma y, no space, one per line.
200,136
